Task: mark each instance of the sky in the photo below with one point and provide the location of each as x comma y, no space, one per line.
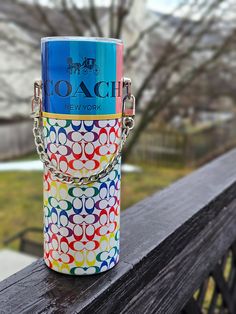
164,6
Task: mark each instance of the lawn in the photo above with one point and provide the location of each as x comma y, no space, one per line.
21,195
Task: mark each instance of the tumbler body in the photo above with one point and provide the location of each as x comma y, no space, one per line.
82,108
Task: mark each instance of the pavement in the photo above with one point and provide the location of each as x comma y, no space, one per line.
12,262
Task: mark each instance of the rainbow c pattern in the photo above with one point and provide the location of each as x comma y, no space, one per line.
81,223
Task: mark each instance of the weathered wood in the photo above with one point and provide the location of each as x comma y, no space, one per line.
169,244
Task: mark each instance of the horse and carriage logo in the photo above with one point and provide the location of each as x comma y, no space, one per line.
88,65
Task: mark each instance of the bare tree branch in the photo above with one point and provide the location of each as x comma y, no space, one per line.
71,18
111,18
83,17
176,55
94,18
150,28
122,11
44,18
156,105
170,47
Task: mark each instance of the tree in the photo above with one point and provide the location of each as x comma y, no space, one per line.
187,43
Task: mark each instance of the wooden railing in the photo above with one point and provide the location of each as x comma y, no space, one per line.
171,244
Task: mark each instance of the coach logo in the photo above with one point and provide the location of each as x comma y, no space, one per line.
88,65
101,89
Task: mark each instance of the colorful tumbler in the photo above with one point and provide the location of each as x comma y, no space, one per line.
82,125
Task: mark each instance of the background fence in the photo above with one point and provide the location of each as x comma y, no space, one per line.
176,147
16,138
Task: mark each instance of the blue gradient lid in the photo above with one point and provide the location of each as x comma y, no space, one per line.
82,75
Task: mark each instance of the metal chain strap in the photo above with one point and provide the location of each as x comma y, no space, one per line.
127,126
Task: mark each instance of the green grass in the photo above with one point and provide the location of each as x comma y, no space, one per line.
137,186
21,202
21,195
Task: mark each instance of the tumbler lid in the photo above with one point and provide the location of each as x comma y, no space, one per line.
82,76
81,38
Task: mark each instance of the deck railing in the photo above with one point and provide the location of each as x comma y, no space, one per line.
171,244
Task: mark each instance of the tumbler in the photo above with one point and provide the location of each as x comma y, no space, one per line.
80,125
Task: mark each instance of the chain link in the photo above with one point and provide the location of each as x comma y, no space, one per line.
127,126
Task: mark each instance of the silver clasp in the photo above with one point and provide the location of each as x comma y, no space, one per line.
129,99
127,84
36,103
